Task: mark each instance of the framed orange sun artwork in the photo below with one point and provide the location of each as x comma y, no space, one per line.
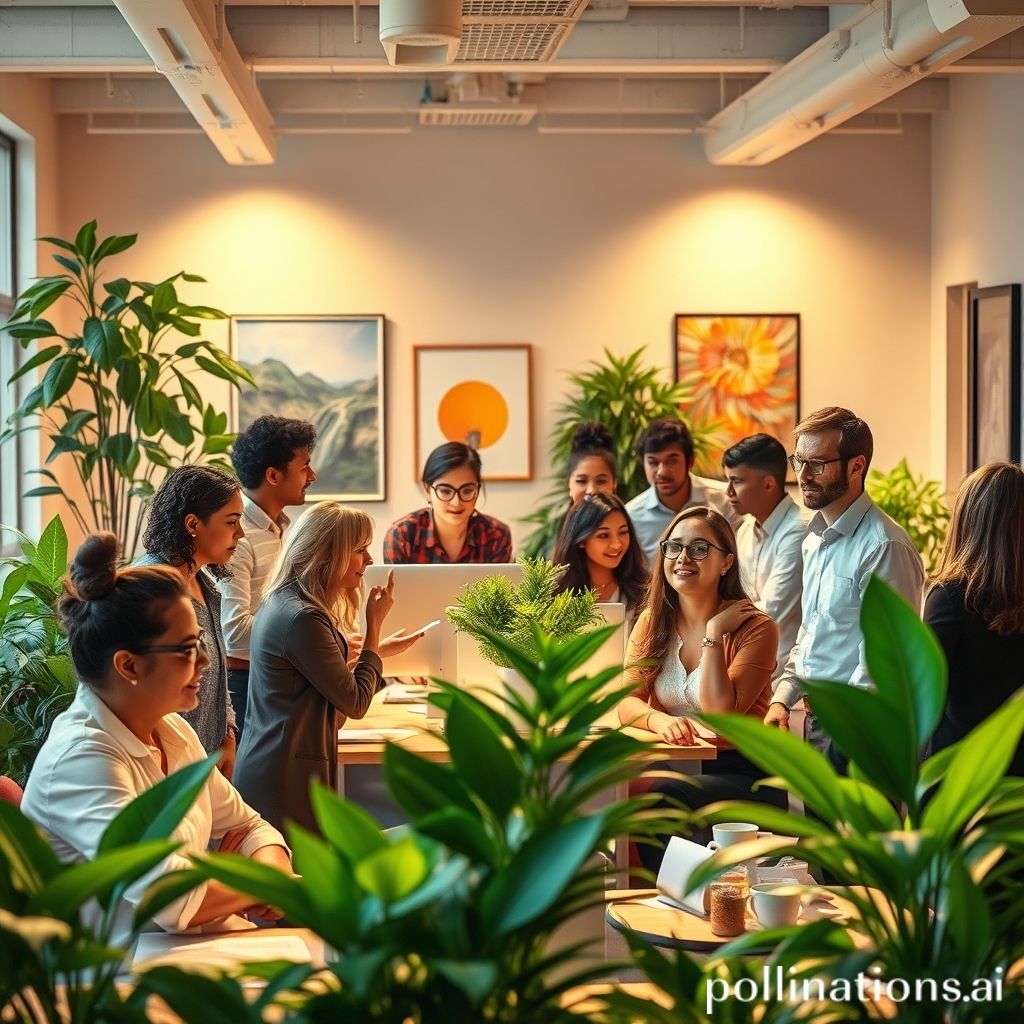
743,374
480,395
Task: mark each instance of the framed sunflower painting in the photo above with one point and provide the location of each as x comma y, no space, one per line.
742,371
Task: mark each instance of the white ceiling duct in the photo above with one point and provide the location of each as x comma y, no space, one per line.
878,53
420,33
190,45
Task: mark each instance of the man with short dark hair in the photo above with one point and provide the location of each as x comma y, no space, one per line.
848,539
272,460
665,450
769,538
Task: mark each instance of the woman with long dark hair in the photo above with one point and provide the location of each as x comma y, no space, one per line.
714,651
139,654
976,603
193,526
449,528
600,551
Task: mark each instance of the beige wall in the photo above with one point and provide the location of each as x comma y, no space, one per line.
977,211
570,243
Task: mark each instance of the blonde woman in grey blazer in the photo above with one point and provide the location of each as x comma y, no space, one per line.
302,687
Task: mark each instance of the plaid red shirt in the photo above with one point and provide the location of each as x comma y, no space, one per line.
412,540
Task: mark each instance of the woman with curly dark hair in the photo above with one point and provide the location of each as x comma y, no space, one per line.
600,551
194,524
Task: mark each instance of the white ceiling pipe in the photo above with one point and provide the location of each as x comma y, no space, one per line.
845,73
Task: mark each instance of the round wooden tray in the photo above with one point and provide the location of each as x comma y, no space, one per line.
664,925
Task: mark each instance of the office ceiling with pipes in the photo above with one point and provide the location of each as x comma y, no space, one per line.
754,80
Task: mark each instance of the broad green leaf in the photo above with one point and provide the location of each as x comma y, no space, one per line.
85,241
981,760
163,892
43,356
75,422
14,581
347,827
904,659
30,330
68,264
117,448
48,295
870,732
63,895
177,426
475,978
217,443
394,872
538,874
261,881
773,819
778,752
59,379
461,832
59,242
419,786
119,287
129,380
27,856
50,561
214,368
473,744
189,391
103,342
113,245
198,997
326,875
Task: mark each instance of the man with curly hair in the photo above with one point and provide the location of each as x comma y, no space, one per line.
273,462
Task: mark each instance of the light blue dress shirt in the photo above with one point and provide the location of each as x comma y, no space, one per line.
838,563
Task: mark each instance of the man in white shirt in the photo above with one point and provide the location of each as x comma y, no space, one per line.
665,450
848,539
272,460
769,538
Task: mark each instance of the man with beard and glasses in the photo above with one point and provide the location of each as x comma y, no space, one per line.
848,539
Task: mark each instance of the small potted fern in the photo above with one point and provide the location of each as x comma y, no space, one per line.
498,605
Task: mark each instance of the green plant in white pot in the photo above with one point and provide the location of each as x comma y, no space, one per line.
497,605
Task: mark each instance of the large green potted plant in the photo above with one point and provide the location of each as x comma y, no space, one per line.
121,398
624,395
945,866
37,678
512,610
916,503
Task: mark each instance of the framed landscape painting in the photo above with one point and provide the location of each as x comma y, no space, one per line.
479,395
328,370
743,372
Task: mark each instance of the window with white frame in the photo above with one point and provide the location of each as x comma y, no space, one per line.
10,470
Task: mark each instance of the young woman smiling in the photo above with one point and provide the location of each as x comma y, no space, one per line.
194,525
301,687
139,653
591,468
449,528
714,650
599,549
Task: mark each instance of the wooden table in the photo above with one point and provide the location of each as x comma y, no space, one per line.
429,743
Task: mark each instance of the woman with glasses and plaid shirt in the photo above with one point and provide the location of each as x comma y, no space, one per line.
449,528
715,651
139,653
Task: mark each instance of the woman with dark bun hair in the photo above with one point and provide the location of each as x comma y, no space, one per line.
139,654
449,528
193,526
591,467
600,550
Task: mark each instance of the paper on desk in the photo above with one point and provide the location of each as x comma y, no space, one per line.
347,735
682,858
226,949
702,730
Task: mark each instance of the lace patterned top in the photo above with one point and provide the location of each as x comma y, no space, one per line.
676,689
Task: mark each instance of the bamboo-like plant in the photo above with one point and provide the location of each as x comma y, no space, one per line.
119,398
37,678
625,396
916,503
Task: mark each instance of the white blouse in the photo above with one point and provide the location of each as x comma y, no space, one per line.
677,689
92,765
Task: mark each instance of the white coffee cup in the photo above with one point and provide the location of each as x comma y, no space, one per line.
775,904
730,833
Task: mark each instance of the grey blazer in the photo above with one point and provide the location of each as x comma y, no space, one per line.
301,691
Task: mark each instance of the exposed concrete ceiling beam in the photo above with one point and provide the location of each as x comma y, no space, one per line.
1003,55
58,38
191,46
652,40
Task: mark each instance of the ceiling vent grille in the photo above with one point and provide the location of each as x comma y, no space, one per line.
446,115
510,43
492,10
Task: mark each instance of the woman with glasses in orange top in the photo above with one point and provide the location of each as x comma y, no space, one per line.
138,650
714,651
449,528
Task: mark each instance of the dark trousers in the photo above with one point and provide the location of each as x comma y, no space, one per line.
819,739
730,777
238,687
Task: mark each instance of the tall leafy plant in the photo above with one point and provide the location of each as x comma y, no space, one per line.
37,678
938,843
122,393
916,503
624,395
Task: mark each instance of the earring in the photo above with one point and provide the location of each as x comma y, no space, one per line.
134,682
